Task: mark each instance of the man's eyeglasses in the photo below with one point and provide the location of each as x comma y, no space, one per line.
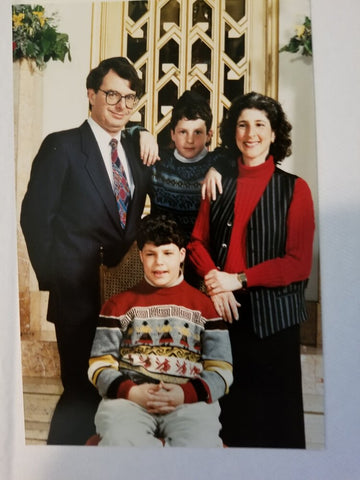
113,98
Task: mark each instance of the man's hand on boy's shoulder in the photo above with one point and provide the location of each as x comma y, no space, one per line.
149,149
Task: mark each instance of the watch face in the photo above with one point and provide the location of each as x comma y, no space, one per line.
242,278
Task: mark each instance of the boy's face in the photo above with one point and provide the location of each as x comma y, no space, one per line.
190,137
162,264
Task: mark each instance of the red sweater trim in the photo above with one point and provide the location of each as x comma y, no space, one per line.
190,395
190,392
196,391
124,389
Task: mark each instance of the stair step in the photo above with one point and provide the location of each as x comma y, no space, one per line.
315,428
312,371
39,407
30,441
40,397
36,431
39,356
47,386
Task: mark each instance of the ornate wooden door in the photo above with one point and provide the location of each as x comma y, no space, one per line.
220,48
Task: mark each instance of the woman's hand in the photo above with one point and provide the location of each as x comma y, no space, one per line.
219,286
149,149
211,181
219,282
226,306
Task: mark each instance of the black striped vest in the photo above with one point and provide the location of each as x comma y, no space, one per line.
273,309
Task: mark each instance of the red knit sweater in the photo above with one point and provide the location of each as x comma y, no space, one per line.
130,344
296,263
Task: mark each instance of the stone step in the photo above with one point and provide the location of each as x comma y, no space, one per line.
51,385
39,407
312,370
313,403
36,432
39,356
315,431
40,397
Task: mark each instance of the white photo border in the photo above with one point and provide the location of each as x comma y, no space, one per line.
336,36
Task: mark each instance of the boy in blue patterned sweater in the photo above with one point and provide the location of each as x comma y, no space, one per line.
161,356
177,178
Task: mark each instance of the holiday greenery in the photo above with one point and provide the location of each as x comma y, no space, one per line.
35,36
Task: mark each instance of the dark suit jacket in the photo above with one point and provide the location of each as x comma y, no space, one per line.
69,211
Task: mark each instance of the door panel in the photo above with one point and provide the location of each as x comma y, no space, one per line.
220,48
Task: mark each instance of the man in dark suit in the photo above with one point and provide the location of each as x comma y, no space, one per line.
68,213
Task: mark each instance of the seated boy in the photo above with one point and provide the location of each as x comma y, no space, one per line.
161,356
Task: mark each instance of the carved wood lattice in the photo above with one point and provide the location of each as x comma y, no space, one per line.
220,48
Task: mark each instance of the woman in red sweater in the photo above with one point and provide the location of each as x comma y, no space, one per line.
253,247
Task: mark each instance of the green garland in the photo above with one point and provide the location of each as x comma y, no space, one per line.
35,36
302,40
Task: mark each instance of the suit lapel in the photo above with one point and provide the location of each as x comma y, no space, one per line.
94,166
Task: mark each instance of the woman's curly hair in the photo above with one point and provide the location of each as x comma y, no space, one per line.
281,147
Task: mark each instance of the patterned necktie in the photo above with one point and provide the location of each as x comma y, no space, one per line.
121,186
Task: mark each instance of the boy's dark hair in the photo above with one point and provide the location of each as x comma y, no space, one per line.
192,106
119,65
159,230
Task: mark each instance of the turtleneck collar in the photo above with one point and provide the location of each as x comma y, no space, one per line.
195,159
177,281
267,167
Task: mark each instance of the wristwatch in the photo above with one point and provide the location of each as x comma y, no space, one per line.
242,279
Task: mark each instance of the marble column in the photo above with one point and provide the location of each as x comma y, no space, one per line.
39,353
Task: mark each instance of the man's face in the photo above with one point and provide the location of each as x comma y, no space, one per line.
162,264
111,118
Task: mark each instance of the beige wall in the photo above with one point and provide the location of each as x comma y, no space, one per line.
64,94
296,93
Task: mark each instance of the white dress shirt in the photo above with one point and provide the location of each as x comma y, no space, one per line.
103,140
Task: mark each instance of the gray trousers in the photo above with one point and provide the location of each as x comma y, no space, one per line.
125,423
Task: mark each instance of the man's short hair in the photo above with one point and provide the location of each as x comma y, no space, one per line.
159,230
119,65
